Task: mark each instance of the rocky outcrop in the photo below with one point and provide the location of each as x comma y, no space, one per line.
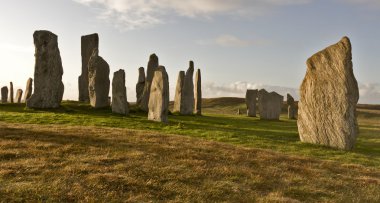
187,105
198,92
269,105
98,81
28,89
48,71
151,68
179,92
4,94
159,96
11,95
19,95
88,44
250,101
291,106
329,94
119,93
140,86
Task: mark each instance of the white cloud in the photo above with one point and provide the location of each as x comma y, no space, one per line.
227,40
369,93
134,14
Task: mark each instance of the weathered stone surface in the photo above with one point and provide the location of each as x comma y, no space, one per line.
250,101
88,44
179,92
187,106
159,96
198,92
98,81
28,89
291,107
19,95
269,105
119,93
48,71
151,68
329,94
4,94
140,86
11,95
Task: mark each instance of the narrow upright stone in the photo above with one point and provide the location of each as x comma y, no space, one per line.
99,82
291,107
88,44
179,92
119,93
198,93
19,95
187,106
159,96
329,95
151,68
270,105
11,95
48,71
4,94
250,101
140,86
28,89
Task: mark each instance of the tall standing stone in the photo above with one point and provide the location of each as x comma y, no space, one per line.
48,71
119,93
179,92
291,106
88,44
11,95
4,94
140,85
159,96
198,93
187,106
28,89
19,95
269,105
329,94
151,68
250,100
98,81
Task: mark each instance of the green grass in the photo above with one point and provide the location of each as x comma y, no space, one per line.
279,136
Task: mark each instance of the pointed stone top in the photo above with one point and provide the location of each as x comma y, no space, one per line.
153,57
91,35
191,64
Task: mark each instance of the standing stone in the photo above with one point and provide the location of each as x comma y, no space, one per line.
28,89
140,86
11,95
291,107
48,71
98,81
250,100
4,94
198,93
18,96
329,95
88,44
119,93
152,67
159,96
187,105
179,92
269,105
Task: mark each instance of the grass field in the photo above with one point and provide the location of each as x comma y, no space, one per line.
78,153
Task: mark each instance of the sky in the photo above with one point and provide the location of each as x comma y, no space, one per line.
237,44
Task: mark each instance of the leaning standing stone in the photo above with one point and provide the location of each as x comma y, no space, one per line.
179,92
48,71
99,82
270,105
250,100
187,106
4,94
119,93
18,96
291,106
329,95
159,96
140,86
152,67
88,44
198,93
28,89
11,95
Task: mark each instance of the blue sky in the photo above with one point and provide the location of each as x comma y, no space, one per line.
238,44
